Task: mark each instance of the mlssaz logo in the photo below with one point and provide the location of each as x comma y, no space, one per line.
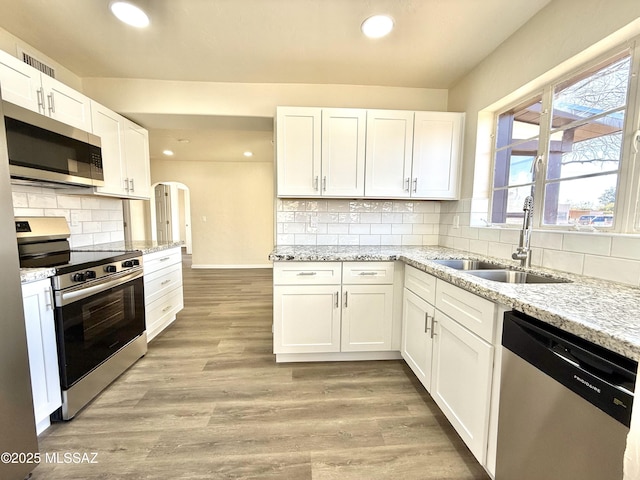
587,384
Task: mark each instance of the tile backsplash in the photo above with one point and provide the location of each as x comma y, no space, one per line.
92,219
357,222
614,257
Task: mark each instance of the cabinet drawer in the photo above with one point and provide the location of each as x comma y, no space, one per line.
363,273
155,261
170,304
420,283
305,273
471,311
159,283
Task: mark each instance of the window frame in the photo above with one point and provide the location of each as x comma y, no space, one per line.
627,206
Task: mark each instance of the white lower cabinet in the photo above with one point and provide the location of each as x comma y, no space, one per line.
163,295
448,342
461,381
43,354
332,307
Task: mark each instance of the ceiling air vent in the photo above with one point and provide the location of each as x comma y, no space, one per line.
37,64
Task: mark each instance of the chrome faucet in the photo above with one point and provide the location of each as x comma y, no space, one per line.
523,252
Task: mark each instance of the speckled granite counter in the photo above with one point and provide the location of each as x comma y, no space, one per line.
145,246
605,313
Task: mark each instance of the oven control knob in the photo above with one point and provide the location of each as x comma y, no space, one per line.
135,262
127,263
110,269
89,274
78,277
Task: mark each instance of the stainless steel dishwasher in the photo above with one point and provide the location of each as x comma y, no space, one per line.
565,405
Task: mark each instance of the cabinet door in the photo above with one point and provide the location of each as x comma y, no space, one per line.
43,354
306,318
298,151
136,154
437,152
343,142
108,125
66,104
461,381
20,83
388,154
367,318
417,344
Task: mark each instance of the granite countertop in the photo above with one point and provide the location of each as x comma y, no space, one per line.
606,313
28,275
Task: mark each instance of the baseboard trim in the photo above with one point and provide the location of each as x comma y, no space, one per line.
230,267
336,357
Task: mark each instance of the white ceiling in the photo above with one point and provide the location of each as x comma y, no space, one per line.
434,43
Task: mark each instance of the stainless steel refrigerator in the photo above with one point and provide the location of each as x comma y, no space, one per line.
17,424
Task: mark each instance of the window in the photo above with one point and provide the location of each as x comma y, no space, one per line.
564,146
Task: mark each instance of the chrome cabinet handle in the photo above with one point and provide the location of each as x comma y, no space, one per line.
164,259
407,181
346,299
133,189
337,299
126,184
165,282
315,183
307,274
324,184
369,274
426,322
52,105
415,185
40,95
433,326
166,308
49,298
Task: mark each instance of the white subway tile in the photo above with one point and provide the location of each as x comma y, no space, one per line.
481,247
348,239
81,215
117,236
587,243
489,234
565,261
327,239
359,229
369,239
388,217
411,239
116,215
359,206
614,269
461,244
285,217
403,207
322,205
20,199
291,205
69,201
500,250
371,217
100,215
287,239
104,237
382,206
426,207
432,218
381,228
302,217
58,212
326,217
348,218
28,212
338,228
509,236
81,240
401,229
293,227
552,240
304,239
322,228
111,226
430,239
37,200
311,206
310,228
424,229
90,203
625,247
91,227
338,206
391,240
412,218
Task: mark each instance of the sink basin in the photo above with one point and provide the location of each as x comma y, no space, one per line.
514,276
470,265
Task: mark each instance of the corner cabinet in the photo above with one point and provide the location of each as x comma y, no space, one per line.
320,152
163,293
358,153
27,87
125,154
37,302
338,308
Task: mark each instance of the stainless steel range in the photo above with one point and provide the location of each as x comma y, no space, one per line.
99,308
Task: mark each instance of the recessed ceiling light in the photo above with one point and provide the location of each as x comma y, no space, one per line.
168,153
248,154
130,14
377,26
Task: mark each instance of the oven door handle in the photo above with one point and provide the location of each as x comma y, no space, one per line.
65,298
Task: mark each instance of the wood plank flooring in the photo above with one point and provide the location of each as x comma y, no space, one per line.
208,401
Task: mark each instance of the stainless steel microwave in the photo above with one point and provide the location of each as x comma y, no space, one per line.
45,151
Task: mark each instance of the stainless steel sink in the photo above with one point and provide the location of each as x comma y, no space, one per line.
470,265
515,276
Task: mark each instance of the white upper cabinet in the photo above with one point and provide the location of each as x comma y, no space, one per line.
27,87
125,154
437,152
389,152
358,153
298,150
343,144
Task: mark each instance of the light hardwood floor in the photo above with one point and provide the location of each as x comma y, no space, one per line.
208,401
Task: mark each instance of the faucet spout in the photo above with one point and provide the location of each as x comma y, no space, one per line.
523,252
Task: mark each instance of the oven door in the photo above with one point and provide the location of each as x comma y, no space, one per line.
94,322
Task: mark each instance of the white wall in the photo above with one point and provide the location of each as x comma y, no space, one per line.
231,209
